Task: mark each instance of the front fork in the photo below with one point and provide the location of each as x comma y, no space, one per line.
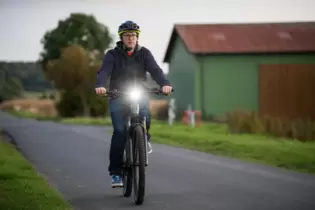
130,152
135,110
145,141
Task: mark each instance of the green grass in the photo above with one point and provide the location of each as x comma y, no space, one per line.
26,114
34,94
86,121
216,139
21,187
75,120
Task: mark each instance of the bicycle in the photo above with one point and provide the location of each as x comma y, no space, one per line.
135,157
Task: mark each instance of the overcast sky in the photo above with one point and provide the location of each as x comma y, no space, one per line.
23,22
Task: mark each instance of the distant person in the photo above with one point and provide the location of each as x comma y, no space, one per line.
122,64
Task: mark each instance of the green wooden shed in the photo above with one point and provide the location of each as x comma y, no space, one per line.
265,67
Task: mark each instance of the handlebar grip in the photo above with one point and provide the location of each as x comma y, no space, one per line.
161,90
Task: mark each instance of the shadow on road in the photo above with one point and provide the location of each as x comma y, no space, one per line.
155,201
107,201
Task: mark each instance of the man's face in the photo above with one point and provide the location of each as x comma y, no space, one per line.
130,39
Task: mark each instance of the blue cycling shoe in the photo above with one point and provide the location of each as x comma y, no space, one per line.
116,181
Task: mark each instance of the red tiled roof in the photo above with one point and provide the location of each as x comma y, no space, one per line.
245,38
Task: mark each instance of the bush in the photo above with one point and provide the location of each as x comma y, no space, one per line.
99,106
43,96
70,105
244,122
162,113
159,109
52,96
251,122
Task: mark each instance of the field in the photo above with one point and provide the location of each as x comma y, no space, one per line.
44,107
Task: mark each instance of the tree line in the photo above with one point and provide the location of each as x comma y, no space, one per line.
16,77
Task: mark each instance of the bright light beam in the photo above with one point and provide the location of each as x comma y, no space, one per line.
135,94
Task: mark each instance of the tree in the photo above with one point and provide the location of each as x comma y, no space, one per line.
78,29
71,56
75,72
10,86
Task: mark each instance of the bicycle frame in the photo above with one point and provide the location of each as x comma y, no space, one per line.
133,112
133,122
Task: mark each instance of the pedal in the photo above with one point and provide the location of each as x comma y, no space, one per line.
117,186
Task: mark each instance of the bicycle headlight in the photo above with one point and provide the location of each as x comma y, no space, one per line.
134,94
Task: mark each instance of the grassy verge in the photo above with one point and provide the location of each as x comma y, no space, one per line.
21,187
87,121
25,114
76,120
216,139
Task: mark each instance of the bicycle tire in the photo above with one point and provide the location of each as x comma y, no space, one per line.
127,173
138,163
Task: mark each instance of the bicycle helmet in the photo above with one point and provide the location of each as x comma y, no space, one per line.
128,26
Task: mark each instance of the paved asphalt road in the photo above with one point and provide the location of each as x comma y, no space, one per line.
74,158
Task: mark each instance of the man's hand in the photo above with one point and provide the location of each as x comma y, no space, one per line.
100,91
166,89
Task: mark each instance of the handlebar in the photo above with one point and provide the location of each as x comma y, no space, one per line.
157,91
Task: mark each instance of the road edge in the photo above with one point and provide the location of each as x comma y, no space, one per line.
7,137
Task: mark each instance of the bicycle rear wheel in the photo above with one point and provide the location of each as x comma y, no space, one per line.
138,168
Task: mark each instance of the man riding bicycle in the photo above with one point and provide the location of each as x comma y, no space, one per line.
126,63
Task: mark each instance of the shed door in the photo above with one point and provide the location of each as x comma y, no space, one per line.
287,90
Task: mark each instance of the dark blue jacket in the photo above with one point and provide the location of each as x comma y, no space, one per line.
121,70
